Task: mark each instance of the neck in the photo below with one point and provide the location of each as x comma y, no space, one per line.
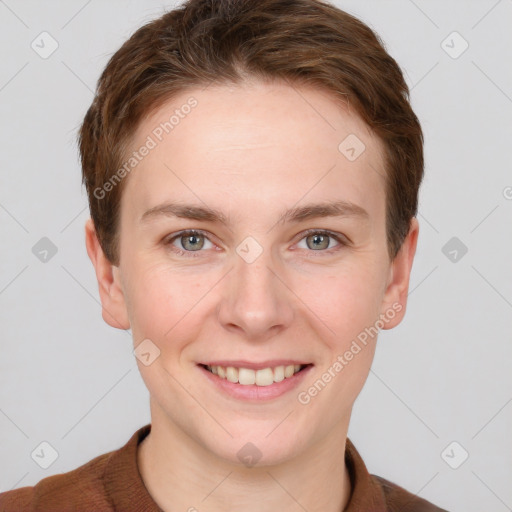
181,474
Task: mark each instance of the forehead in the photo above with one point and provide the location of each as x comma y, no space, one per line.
256,142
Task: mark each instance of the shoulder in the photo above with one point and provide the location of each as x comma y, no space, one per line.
400,500
80,489
18,499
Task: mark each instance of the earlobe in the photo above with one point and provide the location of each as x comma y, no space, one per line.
395,297
113,304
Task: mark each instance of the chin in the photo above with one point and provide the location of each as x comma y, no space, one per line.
253,446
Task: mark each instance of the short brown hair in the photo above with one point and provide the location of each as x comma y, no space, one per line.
304,42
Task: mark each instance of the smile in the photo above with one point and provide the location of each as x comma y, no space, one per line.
255,381
261,377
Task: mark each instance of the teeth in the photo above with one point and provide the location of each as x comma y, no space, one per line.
289,371
279,374
247,377
231,374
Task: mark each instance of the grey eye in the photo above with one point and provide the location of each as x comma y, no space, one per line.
192,242
319,241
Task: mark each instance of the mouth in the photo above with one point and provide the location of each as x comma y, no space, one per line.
258,375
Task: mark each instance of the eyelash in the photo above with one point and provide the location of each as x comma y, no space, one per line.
194,232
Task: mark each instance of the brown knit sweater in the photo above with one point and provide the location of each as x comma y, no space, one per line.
112,482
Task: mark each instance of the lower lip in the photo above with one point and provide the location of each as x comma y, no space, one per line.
253,392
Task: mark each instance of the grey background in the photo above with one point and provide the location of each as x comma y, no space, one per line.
443,375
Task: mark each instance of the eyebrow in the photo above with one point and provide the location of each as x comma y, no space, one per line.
293,215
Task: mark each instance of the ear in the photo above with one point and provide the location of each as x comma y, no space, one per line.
397,288
113,304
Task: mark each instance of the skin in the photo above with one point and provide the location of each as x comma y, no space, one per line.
252,151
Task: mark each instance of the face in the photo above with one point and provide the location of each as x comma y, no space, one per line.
253,236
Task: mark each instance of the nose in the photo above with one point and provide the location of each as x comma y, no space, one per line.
256,302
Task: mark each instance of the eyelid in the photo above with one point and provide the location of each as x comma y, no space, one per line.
341,239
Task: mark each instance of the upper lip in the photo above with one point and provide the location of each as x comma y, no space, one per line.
255,366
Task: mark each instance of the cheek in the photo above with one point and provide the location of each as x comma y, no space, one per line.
348,306
162,302
171,307
346,301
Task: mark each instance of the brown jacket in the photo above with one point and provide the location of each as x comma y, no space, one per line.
112,482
